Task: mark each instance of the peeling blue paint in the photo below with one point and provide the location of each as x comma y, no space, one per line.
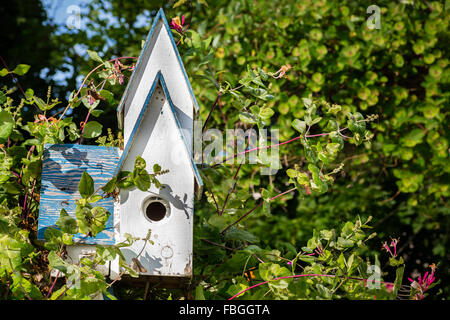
62,167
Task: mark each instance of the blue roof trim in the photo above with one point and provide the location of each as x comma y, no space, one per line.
158,79
163,16
159,16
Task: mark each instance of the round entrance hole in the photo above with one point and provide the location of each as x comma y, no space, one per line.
156,209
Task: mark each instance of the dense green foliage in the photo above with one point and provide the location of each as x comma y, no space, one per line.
303,67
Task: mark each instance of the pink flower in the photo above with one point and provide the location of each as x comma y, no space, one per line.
118,73
318,251
177,24
386,247
423,284
91,100
393,244
289,263
280,73
389,287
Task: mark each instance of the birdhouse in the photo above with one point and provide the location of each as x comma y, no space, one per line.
156,114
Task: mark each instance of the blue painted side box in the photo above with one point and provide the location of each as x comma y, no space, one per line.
62,167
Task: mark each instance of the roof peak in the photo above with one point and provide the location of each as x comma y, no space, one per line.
159,79
159,16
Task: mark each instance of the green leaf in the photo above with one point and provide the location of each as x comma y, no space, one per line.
308,259
66,223
333,148
2,97
345,243
199,294
355,124
266,208
269,271
247,118
21,69
92,129
266,113
96,113
398,279
110,185
3,72
99,218
54,238
139,163
292,173
107,95
142,181
307,102
86,185
179,3
125,180
299,125
156,168
240,235
315,121
40,103
6,124
12,187
106,253
56,262
265,194
88,105
318,182
94,56
95,198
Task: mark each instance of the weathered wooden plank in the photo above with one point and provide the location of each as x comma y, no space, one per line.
62,167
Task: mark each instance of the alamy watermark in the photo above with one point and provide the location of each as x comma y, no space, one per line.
214,147
73,20
374,21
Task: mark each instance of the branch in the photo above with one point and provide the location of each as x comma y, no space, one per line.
257,206
84,81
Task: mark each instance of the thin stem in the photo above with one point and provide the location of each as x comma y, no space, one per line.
211,111
84,81
218,245
116,279
16,82
84,125
254,208
31,193
255,149
54,282
305,275
231,190
272,146
214,198
280,278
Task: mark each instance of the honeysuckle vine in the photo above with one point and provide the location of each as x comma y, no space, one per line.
308,275
115,73
237,255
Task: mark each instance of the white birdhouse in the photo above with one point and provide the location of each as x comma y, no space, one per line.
156,113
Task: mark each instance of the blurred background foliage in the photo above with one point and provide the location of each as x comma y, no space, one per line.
399,72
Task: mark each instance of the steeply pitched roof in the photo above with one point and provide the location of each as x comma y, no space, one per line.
158,79
160,16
